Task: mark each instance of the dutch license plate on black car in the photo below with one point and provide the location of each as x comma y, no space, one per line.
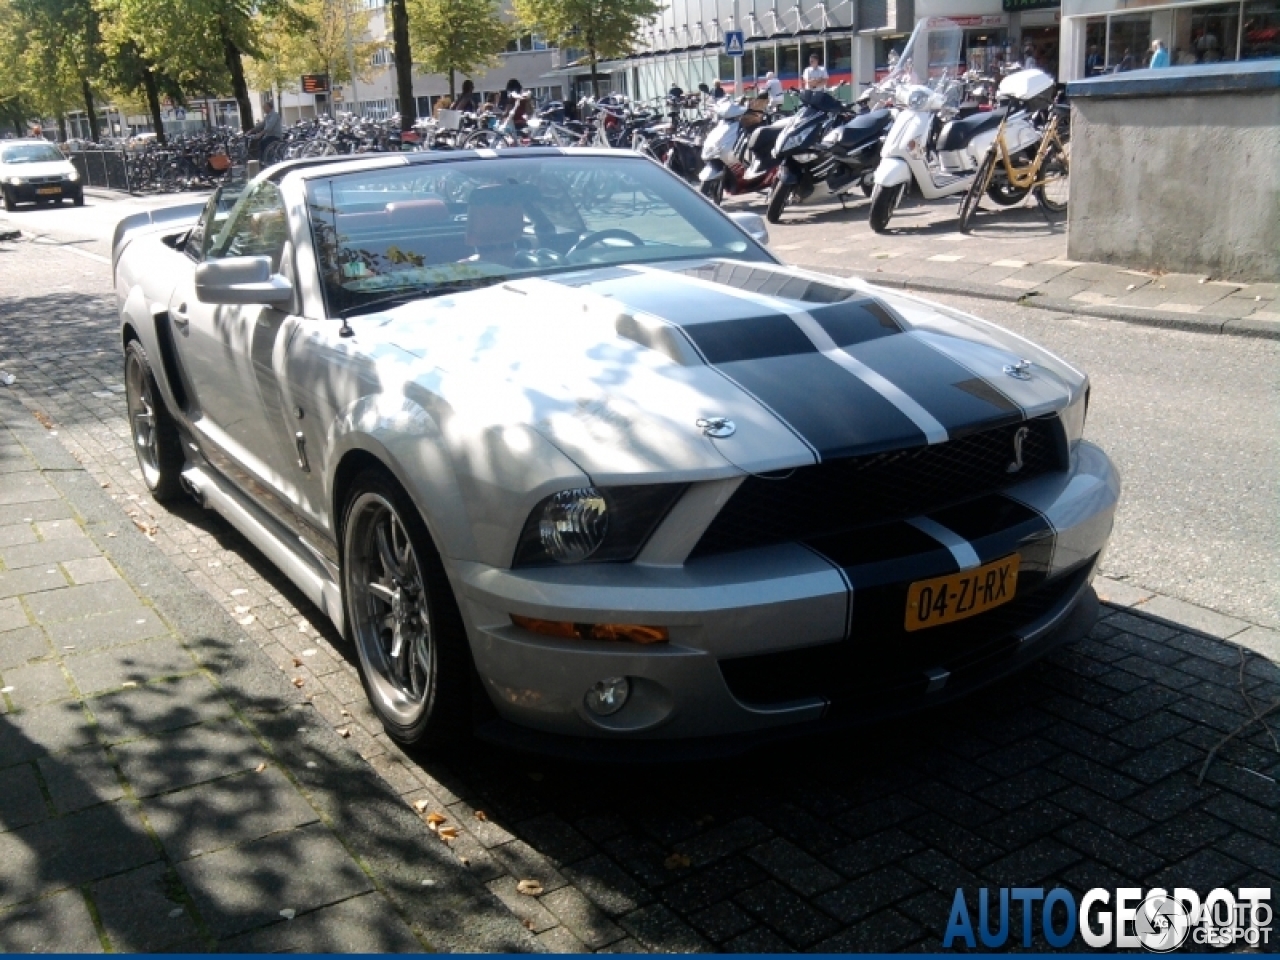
957,596
48,190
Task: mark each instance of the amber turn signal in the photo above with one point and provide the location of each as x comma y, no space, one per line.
629,632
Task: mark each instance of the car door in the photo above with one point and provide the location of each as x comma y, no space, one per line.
229,353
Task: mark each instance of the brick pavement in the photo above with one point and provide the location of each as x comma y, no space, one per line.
1014,254
1080,772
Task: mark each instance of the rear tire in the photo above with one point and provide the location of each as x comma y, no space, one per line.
152,428
973,198
713,190
779,197
403,620
1053,193
884,200
9,203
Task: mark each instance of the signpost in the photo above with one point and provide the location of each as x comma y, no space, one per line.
735,45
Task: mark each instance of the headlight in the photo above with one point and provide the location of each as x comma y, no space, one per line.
586,523
804,157
919,98
16,181
73,176
573,524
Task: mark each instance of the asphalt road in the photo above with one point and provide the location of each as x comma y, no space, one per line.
1189,418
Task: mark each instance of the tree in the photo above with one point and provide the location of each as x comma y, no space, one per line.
402,51
59,45
457,36
320,48
129,74
605,28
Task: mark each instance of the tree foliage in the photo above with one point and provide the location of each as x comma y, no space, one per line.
457,36
604,28
319,47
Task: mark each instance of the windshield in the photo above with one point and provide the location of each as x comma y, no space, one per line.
30,153
405,232
931,55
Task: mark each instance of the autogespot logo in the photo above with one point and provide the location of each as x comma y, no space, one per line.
1156,920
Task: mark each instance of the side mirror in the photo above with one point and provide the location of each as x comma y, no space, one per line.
753,224
241,280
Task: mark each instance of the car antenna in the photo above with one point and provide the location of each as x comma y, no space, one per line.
345,330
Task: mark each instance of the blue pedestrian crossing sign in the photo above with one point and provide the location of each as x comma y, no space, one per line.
734,43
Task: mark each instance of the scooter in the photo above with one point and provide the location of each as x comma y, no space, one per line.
823,147
941,158
724,170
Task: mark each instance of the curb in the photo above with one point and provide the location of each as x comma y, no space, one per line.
1165,319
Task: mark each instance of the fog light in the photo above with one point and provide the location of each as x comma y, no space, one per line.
608,696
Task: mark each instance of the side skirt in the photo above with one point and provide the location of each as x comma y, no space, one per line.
310,572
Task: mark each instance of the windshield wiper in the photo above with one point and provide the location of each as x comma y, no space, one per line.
419,293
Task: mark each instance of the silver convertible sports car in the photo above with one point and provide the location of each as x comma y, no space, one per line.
576,464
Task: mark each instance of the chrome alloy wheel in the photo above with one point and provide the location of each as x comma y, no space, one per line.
387,600
142,417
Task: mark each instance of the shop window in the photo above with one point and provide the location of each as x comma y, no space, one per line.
1130,43
841,54
1215,33
765,60
1260,36
984,50
789,61
726,69
1095,46
887,51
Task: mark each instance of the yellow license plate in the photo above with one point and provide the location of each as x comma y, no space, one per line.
931,603
48,190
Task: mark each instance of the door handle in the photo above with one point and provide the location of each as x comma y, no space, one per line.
180,316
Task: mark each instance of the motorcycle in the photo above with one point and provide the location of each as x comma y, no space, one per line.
724,170
822,146
929,144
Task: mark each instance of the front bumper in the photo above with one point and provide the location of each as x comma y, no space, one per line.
782,639
32,192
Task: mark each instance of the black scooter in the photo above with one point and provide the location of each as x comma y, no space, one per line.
826,144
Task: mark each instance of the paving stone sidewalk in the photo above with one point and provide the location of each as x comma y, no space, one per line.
1013,254
1083,771
162,786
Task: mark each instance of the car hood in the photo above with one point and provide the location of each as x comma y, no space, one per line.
51,168
633,370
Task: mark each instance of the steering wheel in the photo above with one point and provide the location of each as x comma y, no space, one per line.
613,233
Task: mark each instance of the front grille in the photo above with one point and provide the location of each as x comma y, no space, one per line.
883,662
854,492
43,180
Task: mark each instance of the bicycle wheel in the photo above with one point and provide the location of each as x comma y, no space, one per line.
485,140
1054,188
973,198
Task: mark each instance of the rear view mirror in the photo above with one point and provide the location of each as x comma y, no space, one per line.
241,280
753,224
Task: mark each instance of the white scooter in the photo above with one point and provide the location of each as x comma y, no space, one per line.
924,94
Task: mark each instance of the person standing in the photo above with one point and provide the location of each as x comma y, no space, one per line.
466,101
1093,61
815,75
1159,55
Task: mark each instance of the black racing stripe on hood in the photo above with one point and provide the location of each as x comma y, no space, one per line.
856,321
835,412
938,383
748,338
997,525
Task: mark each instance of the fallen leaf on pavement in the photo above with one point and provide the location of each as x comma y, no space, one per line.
343,732
448,833
297,661
434,817
298,681
420,805
245,621
43,419
241,609
260,767
677,861
480,815
530,888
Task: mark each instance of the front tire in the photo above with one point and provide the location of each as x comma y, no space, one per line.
884,200
779,197
78,200
1054,190
713,190
403,619
152,428
973,197
10,204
